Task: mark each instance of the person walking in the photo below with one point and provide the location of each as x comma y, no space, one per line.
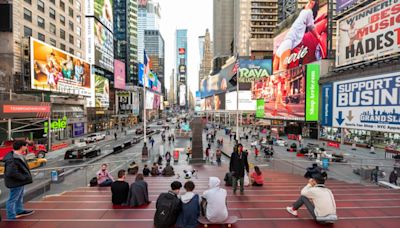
237,166
115,136
218,155
16,176
393,177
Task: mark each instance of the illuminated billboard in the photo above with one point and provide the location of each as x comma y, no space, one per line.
58,71
251,70
119,74
219,83
102,10
102,89
369,33
304,40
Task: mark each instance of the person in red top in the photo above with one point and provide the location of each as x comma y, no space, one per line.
256,151
256,178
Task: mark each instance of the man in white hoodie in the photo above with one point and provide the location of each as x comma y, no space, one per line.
318,200
216,210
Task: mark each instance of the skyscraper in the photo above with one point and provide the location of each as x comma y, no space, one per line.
223,20
149,16
181,66
125,35
206,58
154,45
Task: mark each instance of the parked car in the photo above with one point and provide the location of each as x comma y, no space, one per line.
39,150
160,122
33,162
168,120
95,137
139,131
82,152
281,142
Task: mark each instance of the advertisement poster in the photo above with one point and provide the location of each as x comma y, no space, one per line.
327,96
219,102
123,100
312,92
102,91
260,108
369,33
55,70
245,101
304,40
252,70
149,100
219,83
203,104
182,95
119,74
369,103
79,129
135,103
342,4
104,47
209,104
102,10
284,94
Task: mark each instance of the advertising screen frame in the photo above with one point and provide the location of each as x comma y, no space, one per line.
63,77
308,49
102,91
245,101
359,41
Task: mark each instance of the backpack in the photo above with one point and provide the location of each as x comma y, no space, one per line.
228,179
166,210
93,182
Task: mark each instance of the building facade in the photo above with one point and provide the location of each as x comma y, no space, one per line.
155,49
223,27
125,35
149,16
206,57
181,66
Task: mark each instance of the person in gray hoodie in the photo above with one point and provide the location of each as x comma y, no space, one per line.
190,208
138,193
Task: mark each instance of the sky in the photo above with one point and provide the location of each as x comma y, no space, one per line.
195,16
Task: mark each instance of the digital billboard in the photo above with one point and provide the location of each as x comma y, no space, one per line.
260,108
149,100
342,4
219,83
251,70
304,40
284,94
245,101
14,109
119,74
209,104
369,33
312,92
100,45
55,70
102,92
182,95
366,103
219,102
102,10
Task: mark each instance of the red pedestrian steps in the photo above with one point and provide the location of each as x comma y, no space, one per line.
357,205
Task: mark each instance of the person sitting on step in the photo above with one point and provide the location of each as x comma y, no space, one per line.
213,205
133,168
104,178
168,171
120,190
138,192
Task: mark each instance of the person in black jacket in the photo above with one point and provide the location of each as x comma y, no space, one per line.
120,190
168,207
16,176
237,167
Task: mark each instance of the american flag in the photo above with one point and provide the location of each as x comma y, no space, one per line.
236,67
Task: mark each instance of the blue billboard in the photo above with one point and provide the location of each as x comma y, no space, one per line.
252,70
327,94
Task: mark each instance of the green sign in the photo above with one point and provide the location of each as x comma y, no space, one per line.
56,125
260,108
312,92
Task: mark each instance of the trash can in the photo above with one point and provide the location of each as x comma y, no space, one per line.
57,175
325,163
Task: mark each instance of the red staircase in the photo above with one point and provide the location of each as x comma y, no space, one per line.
357,205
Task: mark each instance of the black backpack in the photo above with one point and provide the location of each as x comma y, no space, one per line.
228,179
93,182
167,210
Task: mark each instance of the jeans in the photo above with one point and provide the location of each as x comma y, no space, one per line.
235,183
304,200
106,183
14,204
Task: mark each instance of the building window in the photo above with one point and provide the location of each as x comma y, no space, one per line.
41,37
79,54
78,5
52,29
40,22
71,39
27,15
28,1
71,12
40,6
78,31
53,42
52,13
62,34
62,19
71,26
71,50
79,19
53,1
62,5
71,2
78,43
27,31
62,47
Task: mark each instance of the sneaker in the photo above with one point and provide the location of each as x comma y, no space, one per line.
24,213
291,211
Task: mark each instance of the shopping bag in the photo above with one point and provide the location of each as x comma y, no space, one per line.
246,180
